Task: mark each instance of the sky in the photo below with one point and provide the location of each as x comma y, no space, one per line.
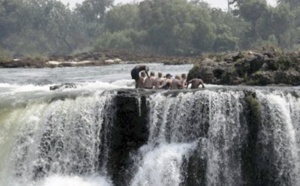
214,3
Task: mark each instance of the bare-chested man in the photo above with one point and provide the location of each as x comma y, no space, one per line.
141,82
176,83
150,81
159,80
183,81
167,82
195,83
135,73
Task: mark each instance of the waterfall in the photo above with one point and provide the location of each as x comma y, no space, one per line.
57,138
178,123
231,147
210,137
278,138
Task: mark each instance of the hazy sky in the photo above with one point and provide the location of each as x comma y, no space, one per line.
214,3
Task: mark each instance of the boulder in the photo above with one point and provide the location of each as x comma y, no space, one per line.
290,77
62,86
262,78
251,68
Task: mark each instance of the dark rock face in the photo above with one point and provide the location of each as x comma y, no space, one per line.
64,85
129,132
250,69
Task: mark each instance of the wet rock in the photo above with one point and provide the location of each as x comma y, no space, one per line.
64,85
262,78
128,134
252,68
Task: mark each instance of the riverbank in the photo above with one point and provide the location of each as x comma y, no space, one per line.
264,67
100,58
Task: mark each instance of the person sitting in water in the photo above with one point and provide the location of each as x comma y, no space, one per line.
150,81
135,73
159,80
167,82
183,81
141,82
195,83
176,83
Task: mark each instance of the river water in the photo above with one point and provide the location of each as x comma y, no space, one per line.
21,85
24,96
206,137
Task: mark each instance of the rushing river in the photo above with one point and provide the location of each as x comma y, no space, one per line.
217,136
30,87
23,85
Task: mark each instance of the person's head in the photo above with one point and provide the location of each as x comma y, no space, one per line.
143,74
183,76
152,74
159,74
177,77
168,76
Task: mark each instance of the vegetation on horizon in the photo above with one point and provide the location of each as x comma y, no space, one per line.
169,27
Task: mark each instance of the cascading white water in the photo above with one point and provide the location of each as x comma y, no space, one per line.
63,141
161,164
279,137
178,123
54,141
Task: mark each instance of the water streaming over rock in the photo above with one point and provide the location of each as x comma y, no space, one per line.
63,137
132,137
278,139
207,118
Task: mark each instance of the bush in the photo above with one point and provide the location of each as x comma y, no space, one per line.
225,43
4,55
117,40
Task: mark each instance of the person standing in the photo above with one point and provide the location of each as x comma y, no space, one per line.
135,73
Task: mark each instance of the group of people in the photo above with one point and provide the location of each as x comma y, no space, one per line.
143,80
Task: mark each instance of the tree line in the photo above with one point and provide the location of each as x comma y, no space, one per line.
168,27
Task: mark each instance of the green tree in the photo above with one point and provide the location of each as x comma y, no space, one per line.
116,40
292,3
122,17
94,10
10,17
225,41
278,21
251,11
176,26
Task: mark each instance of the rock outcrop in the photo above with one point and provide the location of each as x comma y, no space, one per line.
248,68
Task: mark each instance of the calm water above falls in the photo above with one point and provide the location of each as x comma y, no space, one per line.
208,137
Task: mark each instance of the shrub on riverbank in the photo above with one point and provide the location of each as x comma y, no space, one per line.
4,56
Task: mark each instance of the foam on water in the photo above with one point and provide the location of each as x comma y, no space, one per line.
162,165
15,88
57,180
61,137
